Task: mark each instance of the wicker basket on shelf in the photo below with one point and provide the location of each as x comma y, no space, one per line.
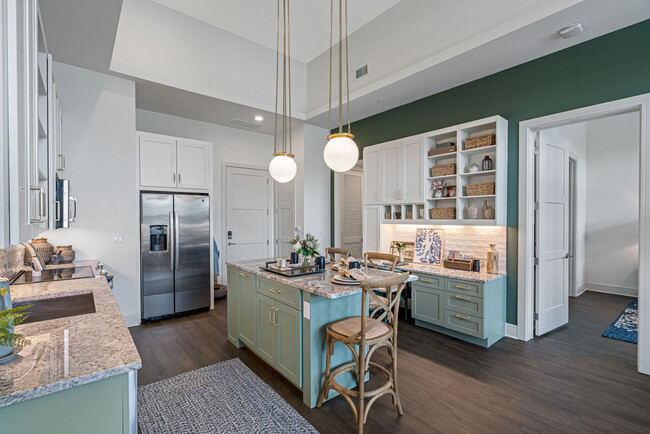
443,213
444,169
481,141
483,189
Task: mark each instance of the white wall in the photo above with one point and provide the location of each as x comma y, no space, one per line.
612,223
229,144
576,136
317,186
99,144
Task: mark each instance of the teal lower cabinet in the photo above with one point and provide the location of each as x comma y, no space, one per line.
232,297
471,311
265,345
247,309
104,406
288,356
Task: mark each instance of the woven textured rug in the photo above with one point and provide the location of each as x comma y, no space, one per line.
626,326
226,397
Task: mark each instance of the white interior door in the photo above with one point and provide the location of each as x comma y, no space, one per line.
552,237
247,214
352,218
284,217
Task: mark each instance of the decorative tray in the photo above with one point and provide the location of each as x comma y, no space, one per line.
272,267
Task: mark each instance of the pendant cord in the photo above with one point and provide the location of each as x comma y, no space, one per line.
284,77
277,66
289,72
340,66
347,64
329,100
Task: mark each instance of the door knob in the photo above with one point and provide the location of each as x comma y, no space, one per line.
230,243
567,256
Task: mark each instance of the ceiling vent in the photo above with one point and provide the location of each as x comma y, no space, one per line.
245,124
362,71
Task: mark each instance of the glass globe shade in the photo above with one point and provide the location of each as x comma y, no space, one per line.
283,168
341,153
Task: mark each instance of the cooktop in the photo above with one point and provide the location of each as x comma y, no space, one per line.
50,274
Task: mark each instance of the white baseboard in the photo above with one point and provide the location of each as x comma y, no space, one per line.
511,331
580,290
132,319
609,289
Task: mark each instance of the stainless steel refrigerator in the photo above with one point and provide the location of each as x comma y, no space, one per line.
175,253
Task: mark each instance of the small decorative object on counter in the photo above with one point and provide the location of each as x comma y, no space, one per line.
67,254
437,188
472,211
354,264
320,261
488,211
308,247
43,249
403,249
492,260
487,163
282,263
9,317
459,264
295,257
473,168
476,266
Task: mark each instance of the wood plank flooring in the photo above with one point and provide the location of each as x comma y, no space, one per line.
572,380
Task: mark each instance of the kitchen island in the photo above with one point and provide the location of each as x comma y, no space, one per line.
283,320
78,374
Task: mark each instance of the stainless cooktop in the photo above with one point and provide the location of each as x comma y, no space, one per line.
50,274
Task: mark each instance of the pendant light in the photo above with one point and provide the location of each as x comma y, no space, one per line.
340,153
283,167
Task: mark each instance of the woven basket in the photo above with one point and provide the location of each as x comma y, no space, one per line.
480,189
481,141
443,213
444,169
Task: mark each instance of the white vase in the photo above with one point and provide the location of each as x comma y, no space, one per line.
472,211
492,266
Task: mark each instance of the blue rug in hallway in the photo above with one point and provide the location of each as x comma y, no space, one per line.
626,326
226,397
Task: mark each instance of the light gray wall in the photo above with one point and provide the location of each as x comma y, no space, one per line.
98,138
612,223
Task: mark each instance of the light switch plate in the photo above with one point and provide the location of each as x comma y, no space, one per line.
118,238
305,309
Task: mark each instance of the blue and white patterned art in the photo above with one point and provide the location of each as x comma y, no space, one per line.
428,246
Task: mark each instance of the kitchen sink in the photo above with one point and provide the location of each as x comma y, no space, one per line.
60,307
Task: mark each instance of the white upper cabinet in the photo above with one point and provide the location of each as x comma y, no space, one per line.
172,162
371,176
371,228
391,172
157,161
193,164
412,189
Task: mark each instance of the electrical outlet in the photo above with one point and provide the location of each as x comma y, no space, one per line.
118,238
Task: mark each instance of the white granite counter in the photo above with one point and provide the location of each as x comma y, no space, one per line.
317,284
68,352
434,270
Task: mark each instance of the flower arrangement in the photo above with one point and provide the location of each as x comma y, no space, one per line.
308,246
437,187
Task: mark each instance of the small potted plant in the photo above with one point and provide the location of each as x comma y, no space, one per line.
307,247
10,317
400,247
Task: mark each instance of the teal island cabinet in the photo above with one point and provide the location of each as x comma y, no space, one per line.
463,304
283,321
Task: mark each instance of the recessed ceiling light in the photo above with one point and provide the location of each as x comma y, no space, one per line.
571,31
259,118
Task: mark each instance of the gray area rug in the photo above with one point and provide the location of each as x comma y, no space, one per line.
226,397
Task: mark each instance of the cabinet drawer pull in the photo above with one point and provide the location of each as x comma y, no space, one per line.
271,316
466,318
462,298
426,281
244,275
274,291
462,287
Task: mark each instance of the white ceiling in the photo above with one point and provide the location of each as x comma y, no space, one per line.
255,20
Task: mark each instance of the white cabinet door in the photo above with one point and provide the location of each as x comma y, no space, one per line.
371,175
193,164
157,161
412,172
391,172
371,228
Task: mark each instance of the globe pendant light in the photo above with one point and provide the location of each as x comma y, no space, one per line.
340,153
283,167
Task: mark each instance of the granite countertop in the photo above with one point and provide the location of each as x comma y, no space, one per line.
435,270
317,284
68,352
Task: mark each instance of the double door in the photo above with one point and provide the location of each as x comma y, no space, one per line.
175,253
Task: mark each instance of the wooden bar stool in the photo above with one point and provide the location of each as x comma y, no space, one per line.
332,251
373,333
368,259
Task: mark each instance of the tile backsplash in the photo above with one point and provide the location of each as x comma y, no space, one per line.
471,241
11,258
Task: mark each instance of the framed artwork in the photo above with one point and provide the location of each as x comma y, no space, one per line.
428,246
407,251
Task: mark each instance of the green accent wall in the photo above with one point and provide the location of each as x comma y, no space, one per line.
611,67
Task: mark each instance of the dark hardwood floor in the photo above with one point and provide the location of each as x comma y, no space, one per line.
572,380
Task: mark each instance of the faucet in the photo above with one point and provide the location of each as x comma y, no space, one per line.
37,262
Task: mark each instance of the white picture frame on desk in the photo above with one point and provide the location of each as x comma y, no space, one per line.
429,244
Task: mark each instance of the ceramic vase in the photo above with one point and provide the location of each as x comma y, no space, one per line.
5,303
43,249
472,211
492,265
67,254
488,212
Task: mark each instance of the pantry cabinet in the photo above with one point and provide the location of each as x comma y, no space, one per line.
172,162
390,172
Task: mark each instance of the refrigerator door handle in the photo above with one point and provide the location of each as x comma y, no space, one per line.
172,242
177,241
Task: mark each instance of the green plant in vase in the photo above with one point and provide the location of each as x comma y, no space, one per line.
308,247
400,247
10,317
